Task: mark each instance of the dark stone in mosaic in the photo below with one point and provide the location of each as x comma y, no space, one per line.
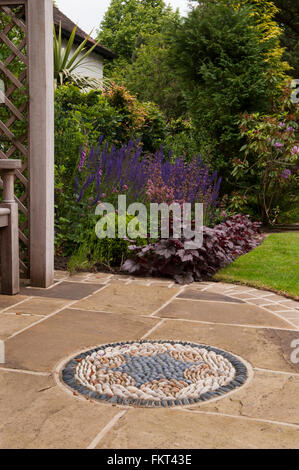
67,375
206,396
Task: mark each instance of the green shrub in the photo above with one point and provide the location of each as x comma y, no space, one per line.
93,251
267,173
218,52
182,139
81,118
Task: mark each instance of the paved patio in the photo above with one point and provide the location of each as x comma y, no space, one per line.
42,328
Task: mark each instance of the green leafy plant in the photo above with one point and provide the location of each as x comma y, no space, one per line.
268,169
127,25
164,88
218,52
288,18
67,61
83,117
96,252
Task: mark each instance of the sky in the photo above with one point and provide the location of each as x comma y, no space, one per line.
89,13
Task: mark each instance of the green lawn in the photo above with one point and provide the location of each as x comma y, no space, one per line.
273,265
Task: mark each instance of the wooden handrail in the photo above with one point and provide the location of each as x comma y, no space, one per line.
9,164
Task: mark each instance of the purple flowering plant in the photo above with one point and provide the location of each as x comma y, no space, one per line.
107,171
104,172
286,173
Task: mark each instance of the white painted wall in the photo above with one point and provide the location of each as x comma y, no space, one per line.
92,66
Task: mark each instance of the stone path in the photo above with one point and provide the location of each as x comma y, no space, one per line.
41,329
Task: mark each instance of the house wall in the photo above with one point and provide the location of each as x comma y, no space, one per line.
92,66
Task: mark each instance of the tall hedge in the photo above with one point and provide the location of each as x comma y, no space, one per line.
222,61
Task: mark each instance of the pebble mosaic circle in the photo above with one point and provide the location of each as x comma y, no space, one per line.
154,373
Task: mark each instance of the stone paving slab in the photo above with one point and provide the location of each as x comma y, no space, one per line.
262,347
261,302
289,303
270,395
275,308
43,416
7,301
175,429
198,295
243,314
132,299
42,346
61,275
78,277
44,327
98,278
243,296
290,314
11,323
39,306
63,290
274,297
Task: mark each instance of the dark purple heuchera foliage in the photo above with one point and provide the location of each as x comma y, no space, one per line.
128,170
221,245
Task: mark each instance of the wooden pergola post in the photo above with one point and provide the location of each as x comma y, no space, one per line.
41,141
28,36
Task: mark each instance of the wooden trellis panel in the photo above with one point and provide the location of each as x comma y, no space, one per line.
14,109
27,126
